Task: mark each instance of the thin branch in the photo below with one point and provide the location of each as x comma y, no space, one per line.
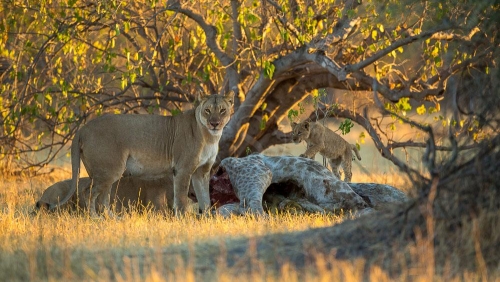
411,143
295,32
395,45
386,153
430,153
453,36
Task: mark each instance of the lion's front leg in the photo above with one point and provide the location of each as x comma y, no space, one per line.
181,189
312,150
200,179
100,194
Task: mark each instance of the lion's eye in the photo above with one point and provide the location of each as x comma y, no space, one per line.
222,111
207,111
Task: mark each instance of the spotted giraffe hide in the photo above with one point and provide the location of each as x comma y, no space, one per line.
319,184
250,177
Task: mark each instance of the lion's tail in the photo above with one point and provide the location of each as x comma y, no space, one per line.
356,151
75,171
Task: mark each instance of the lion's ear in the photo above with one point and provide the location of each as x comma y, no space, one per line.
306,125
42,206
199,98
230,96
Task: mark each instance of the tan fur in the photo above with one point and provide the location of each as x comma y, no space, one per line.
329,144
152,146
128,193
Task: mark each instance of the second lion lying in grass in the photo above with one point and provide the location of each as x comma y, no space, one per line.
127,194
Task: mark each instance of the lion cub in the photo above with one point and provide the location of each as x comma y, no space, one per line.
328,143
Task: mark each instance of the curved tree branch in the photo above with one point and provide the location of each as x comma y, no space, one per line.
210,32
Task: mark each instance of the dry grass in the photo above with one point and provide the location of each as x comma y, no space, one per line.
156,248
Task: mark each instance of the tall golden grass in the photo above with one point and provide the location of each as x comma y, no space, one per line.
65,247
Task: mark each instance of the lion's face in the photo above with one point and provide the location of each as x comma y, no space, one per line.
300,131
214,112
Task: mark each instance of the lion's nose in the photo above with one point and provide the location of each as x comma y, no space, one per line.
214,123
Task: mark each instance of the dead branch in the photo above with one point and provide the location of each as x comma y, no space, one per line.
413,144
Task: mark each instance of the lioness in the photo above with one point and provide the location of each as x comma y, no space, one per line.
151,146
127,193
328,143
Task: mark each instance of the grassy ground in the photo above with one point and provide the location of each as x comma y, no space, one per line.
156,248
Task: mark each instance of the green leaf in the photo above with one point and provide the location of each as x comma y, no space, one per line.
126,27
421,110
435,52
351,13
292,114
310,12
269,69
433,110
403,104
346,126
438,61
263,107
315,93
284,35
48,99
124,83
175,112
362,137
263,122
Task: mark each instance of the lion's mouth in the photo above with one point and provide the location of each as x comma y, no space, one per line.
214,129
